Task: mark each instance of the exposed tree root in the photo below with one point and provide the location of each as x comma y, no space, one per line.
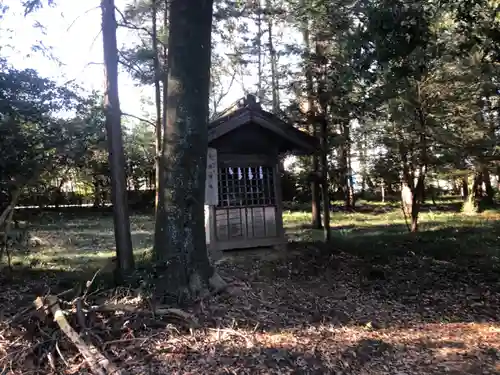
217,283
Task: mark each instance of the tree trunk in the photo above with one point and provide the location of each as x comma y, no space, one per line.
489,196
465,188
97,193
179,244
164,78
406,200
350,179
382,190
323,139
324,178
272,54
346,176
470,205
316,198
157,74
418,199
123,239
260,91
311,117
363,161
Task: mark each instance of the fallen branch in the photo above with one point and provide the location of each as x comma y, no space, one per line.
98,364
179,314
233,332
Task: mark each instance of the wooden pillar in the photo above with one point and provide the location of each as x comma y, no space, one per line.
278,193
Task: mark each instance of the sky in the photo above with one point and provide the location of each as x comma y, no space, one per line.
72,33
71,30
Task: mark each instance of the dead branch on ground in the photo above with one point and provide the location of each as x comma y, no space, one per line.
97,362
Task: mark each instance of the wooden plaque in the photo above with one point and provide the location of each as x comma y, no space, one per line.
211,183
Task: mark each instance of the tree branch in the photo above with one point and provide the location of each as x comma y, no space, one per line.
126,63
139,118
129,25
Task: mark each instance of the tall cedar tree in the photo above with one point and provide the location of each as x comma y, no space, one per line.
123,239
157,78
183,266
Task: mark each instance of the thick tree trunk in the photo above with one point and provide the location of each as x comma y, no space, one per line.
179,248
412,193
470,205
123,240
411,206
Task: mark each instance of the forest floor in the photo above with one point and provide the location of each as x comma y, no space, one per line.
376,300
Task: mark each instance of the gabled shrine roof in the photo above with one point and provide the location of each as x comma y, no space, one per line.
248,111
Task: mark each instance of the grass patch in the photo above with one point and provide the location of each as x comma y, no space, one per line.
444,234
81,242
85,242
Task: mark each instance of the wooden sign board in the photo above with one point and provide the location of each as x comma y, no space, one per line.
211,183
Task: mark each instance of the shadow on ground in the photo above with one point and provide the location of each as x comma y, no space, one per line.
373,301
327,356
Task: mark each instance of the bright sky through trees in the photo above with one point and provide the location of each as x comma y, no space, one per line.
70,32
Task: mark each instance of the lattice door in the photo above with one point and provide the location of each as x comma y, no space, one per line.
247,203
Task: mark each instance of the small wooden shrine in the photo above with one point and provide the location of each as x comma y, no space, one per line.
243,200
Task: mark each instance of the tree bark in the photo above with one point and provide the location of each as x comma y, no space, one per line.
157,74
260,91
165,75
465,188
415,189
382,190
179,248
272,53
323,139
324,177
347,167
112,111
489,196
363,161
470,205
311,116
97,193
418,199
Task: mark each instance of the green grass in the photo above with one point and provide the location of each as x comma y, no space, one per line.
446,234
81,242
